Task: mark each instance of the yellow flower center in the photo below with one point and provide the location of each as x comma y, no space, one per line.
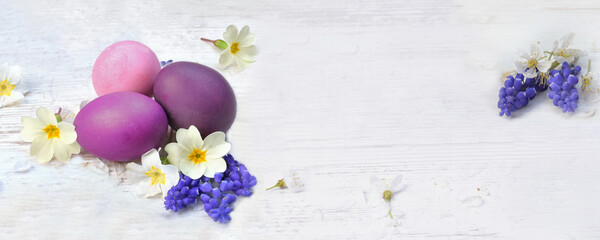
387,195
52,131
156,176
197,156
6,88
532,63
235,48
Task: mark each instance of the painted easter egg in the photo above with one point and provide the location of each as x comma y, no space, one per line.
121,126
125,66
194,94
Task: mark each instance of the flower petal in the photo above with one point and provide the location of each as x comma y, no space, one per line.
215,145
216,165
243,33
226,58
42,148
4,71
146,189
247,41
135,173
176,153
247,53
63,151
377,183
14,98
230,34
396,184
151,158
67,132
543,66
45,116
241,63
14,76
32,129
171,178
191,169
189,138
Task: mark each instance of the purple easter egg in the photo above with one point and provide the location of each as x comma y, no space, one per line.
121,126
125,66
194,94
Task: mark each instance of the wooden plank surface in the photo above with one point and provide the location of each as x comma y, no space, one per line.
341,90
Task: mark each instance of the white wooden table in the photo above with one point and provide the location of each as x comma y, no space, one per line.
341,90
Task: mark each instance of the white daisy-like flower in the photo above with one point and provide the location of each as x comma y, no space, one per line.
152,177
49,138
533,62
240,47
562,52
11,92
382,191
196,157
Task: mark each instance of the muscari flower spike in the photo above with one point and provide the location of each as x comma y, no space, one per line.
562,85
217,194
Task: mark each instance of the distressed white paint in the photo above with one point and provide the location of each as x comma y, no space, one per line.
341,90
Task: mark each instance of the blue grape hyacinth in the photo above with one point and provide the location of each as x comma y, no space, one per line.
562,87
181,195
516,94
216,194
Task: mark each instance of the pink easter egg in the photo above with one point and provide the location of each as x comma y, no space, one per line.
125,66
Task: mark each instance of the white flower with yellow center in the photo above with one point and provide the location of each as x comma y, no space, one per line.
152,177
533,62
562,52
10,90
240,47
381,192
49,138
196,157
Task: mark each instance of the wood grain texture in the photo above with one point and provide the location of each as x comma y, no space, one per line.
341,90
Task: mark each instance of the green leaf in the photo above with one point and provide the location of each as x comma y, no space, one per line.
164,160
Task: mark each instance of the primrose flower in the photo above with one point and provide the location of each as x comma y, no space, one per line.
196,158
152,177
49,136
10,90
533,62
562,52
238,47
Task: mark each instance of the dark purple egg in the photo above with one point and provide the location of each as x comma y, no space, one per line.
194,94
121,126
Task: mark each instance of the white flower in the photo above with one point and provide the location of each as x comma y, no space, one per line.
240,49
533,62
589,84
10,90
152,177
48,137
292,180
195,157
562,52
382,191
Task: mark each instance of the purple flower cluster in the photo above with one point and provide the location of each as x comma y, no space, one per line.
217,194
516,94
562,85
184,193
